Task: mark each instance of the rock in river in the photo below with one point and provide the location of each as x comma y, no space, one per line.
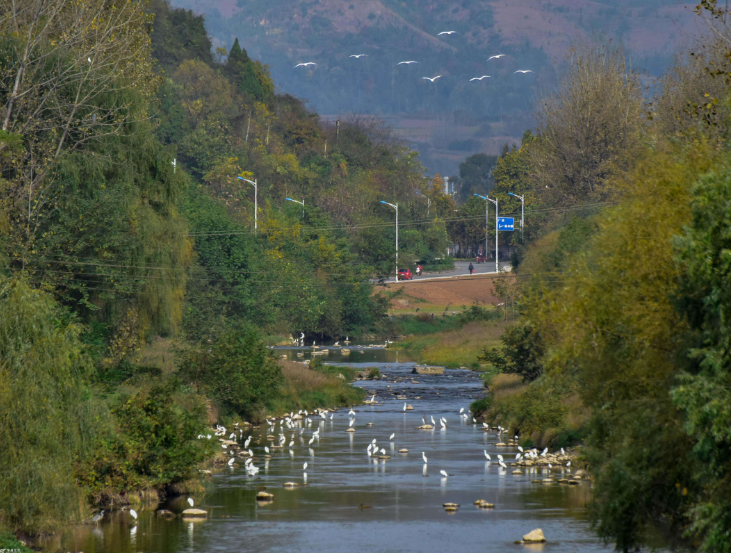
194,513
535,536
428,370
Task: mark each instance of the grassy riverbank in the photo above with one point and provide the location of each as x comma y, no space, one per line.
453,343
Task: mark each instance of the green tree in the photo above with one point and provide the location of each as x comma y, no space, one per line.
46,415
702,392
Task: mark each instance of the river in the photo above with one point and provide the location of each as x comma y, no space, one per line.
402,497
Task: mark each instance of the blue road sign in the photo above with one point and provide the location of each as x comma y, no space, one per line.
505,223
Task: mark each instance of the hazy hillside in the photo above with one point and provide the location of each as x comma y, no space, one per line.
452,117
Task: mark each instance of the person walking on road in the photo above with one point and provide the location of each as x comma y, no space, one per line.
470,268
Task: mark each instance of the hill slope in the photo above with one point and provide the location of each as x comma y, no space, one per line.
533,34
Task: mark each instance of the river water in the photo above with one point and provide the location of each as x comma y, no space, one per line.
402,497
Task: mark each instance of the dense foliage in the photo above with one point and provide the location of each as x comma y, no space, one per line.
624,309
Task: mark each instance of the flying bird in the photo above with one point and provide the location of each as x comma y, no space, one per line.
305,65
406,62
447,33
480,78
497,56
432,79
358,56
524,71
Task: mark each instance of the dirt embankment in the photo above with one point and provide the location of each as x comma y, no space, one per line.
453,292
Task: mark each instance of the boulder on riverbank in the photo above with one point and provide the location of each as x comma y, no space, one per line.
428,370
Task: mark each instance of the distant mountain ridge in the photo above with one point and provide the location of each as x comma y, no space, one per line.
534,34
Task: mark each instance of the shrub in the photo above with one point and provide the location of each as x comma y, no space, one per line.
153,444
236,370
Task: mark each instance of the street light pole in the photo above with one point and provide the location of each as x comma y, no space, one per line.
302,203
396,246
486,225
254,184
428,201
522,213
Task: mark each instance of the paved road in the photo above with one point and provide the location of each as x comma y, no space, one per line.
461,269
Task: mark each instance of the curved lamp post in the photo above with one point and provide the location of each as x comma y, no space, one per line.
254,184
396,247
302,203
522,213
486,225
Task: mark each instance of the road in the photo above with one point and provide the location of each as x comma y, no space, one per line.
460,270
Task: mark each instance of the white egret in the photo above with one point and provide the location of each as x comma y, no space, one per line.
443,473
383,451
88,59
266,449
431,79
562,449
406,62
500,457
231,461
474,421
350,423
292,442
521,449
543,453
447,33
497,56
462,409
391,437
311,440
480,78
404,408
424,458
569,463
190,501
251,453
352,413
305,65
305,465
133,513
524,71
433,420
503,465
486,455
357,56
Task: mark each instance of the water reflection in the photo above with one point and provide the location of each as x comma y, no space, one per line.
348,498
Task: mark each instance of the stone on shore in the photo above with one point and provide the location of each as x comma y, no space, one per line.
264,496
425,427
194,513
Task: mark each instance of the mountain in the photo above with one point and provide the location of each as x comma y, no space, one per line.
452,117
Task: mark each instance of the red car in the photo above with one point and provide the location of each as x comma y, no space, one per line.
480,259
405,274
